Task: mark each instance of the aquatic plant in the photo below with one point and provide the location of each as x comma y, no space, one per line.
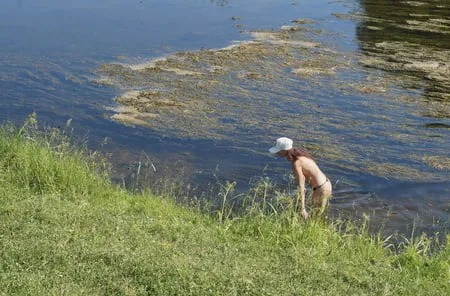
286,80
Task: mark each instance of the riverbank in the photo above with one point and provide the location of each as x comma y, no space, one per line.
66,229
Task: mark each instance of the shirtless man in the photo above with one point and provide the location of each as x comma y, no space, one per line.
305,169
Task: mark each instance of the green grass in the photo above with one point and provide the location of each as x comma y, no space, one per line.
66,230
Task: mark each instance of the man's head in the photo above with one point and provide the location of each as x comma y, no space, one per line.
282,146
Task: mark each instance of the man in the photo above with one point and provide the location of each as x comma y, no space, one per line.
306,170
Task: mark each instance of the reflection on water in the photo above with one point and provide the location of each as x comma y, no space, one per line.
411,38
410,42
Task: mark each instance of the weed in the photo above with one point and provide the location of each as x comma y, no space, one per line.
65,229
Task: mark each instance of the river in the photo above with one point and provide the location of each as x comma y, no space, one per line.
197,91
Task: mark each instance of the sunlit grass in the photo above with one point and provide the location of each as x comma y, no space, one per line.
65,229
46,162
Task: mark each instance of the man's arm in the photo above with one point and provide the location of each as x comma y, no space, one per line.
298,173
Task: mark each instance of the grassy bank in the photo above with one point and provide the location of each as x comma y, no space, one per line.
66,230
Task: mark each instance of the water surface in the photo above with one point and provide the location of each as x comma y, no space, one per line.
377,124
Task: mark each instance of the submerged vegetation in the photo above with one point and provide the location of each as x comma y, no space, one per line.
298,79
66,229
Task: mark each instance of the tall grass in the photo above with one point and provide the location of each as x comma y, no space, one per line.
65,229
47,162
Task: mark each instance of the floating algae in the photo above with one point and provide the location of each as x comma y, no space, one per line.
304,21
438,162
285,80
187,86
409,57
392,171
414,3
407,49
430,25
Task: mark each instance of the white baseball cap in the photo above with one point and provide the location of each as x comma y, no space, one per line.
282,144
